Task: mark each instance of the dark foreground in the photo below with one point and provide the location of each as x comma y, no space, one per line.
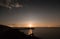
39,33
10,33
45,32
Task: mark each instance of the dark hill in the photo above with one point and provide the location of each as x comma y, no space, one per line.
10,33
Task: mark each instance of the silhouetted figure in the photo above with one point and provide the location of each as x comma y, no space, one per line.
10,33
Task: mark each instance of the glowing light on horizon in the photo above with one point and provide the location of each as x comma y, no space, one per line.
30,25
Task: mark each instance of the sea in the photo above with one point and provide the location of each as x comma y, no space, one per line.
45,32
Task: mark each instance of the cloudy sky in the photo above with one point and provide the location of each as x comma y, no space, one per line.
40,13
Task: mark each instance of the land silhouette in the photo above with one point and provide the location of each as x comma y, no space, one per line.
10,33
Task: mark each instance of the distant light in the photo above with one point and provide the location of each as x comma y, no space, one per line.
30,25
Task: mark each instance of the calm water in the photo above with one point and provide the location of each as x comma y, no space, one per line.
46,33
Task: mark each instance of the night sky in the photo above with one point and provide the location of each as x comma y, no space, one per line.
40,13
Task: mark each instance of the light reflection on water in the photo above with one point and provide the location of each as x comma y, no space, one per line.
46,33
27,32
